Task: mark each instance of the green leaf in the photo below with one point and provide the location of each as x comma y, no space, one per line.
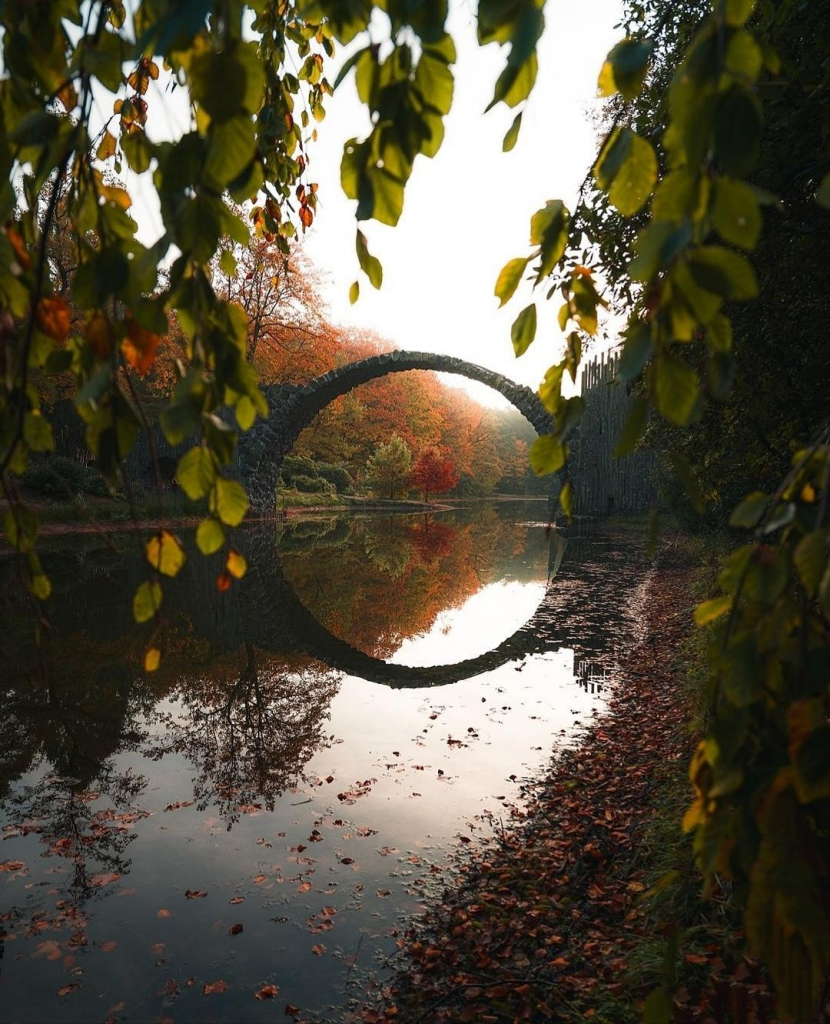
737,129
516,82
210,535
245,412
229,501
566,499
196,472
147,601
811,558
636,352
738,11
229,82
165,553
547,454
231,147
512,135
627,170
625,68
508,279
40,585
138,151
633,428
37,432
549,230
748,514
550,390
723,272
354,292
708,611
736,213
676,389
369,264
523,330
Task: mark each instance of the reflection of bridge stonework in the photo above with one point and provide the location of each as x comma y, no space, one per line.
292,408
276,619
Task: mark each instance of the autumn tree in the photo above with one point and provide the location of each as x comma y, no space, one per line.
434,472
289,336
389,466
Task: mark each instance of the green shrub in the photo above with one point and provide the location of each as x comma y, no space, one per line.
337,475
294,466
59,477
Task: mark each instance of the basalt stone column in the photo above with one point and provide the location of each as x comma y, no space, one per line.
292,408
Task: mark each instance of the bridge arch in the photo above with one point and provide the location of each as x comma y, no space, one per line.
292,408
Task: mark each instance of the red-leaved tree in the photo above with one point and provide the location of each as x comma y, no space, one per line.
434,472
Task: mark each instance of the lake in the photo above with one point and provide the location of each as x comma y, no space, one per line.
270,808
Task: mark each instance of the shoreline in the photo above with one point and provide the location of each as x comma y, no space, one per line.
565,914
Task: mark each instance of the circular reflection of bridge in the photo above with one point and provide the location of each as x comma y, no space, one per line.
278,619
292,408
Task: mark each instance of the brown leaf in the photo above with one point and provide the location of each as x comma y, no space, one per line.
53,317
235,929
71,987
195,894
163,913
139,347
214,986
12,865
267,992
319,949
235,900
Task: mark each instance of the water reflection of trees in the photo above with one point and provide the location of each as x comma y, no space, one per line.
70,720
375,582
248,738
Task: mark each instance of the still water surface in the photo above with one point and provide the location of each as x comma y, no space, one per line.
315,744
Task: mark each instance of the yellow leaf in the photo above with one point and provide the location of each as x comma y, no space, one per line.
152,659
236,564
165,553
708,611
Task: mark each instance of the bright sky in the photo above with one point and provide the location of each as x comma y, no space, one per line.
467,211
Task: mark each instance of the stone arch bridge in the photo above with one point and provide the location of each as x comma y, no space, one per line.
292,408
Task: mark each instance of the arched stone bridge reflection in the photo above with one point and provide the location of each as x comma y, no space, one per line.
292,408
276,619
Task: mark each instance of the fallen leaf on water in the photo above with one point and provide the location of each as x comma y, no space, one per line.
158,948
98,881
234,900
12,865
71,987
383,893
259,878
347,860
291,1010
235,929
195,894
108,947
305,887
319,949
163,913
214,986
267,992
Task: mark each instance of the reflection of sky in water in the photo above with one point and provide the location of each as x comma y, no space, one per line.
480,624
